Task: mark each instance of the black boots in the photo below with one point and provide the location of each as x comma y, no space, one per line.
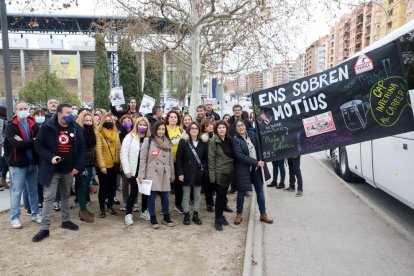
218,225
40,235
196,219
186,218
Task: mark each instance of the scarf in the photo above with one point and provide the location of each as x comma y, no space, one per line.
109,134
227,147
162,143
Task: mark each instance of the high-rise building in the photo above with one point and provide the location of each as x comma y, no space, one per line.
300,66
315,56
267,78
284,72
394,13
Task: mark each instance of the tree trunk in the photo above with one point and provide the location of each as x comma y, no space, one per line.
195,61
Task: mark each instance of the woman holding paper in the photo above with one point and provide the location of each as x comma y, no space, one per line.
191,168
130,152
156,164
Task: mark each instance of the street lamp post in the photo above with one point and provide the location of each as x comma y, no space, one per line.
386,11
6,59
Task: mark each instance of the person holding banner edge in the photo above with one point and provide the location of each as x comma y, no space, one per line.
132,103
247,170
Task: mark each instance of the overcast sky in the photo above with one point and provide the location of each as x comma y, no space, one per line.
317,27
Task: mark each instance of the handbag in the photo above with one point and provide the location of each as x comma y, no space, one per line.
200,165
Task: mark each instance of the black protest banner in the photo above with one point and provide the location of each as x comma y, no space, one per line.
359,100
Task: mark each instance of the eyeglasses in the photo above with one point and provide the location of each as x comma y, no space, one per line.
240,125
194,128
237,110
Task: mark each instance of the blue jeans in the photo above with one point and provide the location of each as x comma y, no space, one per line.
21,177
164,203
26,202
279,165
257,181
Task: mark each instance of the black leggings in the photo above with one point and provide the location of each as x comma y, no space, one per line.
133,194
208,191
221,200
107,187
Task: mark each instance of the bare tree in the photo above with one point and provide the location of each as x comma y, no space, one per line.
242,34
182,81
215,37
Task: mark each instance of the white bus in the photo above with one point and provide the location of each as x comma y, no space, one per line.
386,163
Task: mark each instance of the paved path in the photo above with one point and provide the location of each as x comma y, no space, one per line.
329,231
4,200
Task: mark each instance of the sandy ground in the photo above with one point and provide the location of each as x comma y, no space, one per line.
109,247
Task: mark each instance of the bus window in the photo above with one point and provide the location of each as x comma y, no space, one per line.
407,48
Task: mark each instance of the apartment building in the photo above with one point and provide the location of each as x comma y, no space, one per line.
300,66
409,11
284,72
394,15
315,56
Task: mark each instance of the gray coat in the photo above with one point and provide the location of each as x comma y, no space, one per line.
157,165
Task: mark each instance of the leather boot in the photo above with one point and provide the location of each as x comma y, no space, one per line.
3,183
85,216
186,219
196,219
238,219
90,213
265,218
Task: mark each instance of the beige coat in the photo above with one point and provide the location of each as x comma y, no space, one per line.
157,165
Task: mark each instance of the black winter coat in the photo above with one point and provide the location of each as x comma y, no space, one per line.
15,151
243,162
90,144
187,165
46,146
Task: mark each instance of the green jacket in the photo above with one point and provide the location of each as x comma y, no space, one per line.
220,166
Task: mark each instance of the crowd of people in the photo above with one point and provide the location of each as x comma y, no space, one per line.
46,151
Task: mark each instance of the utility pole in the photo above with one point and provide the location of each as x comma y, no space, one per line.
6,59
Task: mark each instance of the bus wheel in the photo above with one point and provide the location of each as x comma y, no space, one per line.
335,160
344,171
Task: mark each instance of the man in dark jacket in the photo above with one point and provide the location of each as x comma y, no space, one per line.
237,111
51,108
22,160
210,113
157,112
61,146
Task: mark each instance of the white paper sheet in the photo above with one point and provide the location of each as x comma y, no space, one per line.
145,186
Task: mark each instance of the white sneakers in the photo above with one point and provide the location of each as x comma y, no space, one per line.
145,215
128,220
16,224
37,218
